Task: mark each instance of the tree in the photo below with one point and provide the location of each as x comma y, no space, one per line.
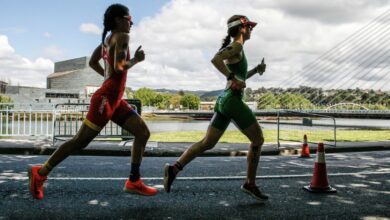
162,100
5,99
267,100
174,101
248,96
293,101
209,98
147,96
129,93
190,101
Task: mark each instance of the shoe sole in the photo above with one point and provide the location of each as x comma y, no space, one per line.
166,175
251,194
130,191
30,186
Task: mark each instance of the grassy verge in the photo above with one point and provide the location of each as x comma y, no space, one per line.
270,136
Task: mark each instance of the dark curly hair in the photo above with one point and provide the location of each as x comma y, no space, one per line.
113,11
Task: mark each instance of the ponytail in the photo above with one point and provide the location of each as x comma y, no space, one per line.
104,35
225,42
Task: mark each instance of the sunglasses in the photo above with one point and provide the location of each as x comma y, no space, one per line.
128,18
249,27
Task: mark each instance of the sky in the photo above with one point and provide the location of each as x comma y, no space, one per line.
327,44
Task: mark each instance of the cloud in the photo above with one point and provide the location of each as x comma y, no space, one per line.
53,52
90,28
181,39
334,12
5,48
47,35
20,70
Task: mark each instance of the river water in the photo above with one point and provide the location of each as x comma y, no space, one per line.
39,128
156,126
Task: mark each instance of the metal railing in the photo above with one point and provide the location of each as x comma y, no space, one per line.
22,120
58,122
69,117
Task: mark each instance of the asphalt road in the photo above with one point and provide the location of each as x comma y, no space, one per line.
89,187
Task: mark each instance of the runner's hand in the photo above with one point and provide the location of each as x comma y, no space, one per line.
261,67
139,54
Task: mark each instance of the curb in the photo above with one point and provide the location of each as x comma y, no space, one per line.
287,151
126,153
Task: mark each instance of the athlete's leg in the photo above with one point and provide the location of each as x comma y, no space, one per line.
208,142
38,174
255,135
83,137
214,132
244,118
98,115
246,121
137,126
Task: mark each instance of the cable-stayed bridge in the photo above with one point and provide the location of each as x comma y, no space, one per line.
359,61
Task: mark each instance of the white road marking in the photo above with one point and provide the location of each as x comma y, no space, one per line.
199,178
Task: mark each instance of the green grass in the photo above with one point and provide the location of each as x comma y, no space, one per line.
270,136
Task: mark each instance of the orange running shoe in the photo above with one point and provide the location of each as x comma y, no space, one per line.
139,187
36,182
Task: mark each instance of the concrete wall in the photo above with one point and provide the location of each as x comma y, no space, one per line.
73,74
77,79
28,91
73,64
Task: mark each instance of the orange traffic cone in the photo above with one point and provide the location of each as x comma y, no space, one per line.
305,152
319,181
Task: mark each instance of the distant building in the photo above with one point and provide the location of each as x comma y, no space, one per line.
73,74
252,105
25,94
72,81
206,106
3,86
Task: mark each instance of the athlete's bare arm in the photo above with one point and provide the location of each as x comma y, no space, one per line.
230,54
121,49
258,69
251,73
94,61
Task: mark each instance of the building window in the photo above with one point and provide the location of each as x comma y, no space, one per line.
62,95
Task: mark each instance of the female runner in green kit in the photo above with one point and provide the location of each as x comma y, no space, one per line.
230,61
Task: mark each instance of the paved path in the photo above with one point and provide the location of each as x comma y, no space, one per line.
89,187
